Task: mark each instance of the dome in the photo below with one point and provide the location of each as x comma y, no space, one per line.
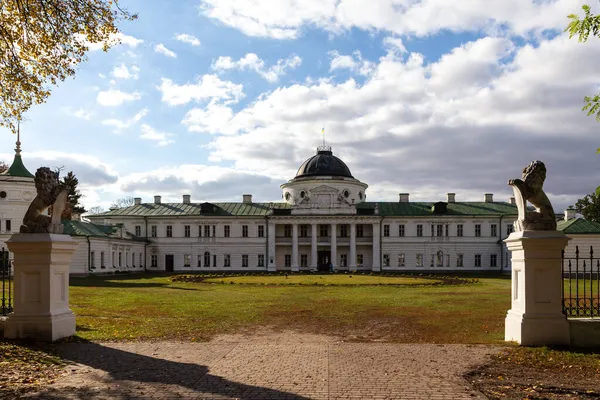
324,163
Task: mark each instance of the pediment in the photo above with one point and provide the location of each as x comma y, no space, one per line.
324,189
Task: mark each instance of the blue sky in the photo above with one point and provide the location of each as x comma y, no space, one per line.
425,97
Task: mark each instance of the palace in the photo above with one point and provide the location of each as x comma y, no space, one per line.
323,222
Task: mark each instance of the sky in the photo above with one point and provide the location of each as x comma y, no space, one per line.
217,98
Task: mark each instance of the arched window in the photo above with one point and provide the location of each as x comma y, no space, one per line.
207,259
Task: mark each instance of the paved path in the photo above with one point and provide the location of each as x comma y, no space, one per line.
266,370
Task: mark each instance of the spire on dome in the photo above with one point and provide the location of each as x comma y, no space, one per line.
17,168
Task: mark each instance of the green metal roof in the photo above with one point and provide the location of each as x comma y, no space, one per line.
579,226
17,168
80,228
261,209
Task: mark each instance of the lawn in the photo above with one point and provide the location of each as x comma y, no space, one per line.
154,307
332,280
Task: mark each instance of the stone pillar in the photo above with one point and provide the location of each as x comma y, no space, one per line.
536,317
41,277
352,260
314,262
334,245
295,247
376,244
272,261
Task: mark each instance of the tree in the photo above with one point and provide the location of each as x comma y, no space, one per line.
43,41
95,210
123,202
74,195
589,207
3,167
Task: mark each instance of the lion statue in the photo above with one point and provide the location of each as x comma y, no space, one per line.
50,193
529,188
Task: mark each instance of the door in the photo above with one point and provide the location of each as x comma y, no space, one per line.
323,258
169,263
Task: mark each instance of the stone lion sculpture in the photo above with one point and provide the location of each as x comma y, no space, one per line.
50,193
529,188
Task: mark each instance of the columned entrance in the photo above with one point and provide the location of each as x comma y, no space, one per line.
323,256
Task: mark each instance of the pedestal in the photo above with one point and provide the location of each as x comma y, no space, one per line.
41,279
536,317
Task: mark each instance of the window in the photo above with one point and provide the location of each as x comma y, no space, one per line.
478,230
510,228
288,260
206,259
419,230
304,260
133,260
459,260
386,230
245,260
154,260
187,232
187,260
343,231
214,260
323,230
8,225
206,230
432,230
199,260
226,231
261,231
169,230
359,259
401,260
138,230
359,231
153,231
227,260
447,228
343,260
113,259
439,230
127,258
494,229
287,231
92,256
386,260
493,260
261,260
102,260
120,259
432,260
419,260
244,230
478,260
459,230
303,230
199,230
141,262
401,230
439,259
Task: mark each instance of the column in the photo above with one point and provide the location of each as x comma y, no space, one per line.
352,261
272,259
334,245
376,244
314,262
295,247
535,317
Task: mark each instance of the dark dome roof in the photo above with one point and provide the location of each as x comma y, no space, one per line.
324,163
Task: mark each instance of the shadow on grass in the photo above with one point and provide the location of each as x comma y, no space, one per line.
125,281
129,372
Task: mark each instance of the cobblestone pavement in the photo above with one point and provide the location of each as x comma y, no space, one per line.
266,370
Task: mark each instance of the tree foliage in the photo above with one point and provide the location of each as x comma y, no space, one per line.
3,167
74,195
41,44
589,207
123,202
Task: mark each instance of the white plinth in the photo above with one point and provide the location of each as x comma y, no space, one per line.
41,279
536,317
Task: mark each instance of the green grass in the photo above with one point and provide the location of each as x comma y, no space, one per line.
336,279
154,307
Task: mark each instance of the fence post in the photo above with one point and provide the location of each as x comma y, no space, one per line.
536,315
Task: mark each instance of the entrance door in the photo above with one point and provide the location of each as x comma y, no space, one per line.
169,263
323,259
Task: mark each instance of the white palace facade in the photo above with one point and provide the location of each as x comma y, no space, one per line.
324,221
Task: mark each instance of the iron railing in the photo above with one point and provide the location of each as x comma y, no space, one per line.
6,275
581,285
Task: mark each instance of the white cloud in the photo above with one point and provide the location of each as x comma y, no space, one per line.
254,63
83,114
354,63
161,138
208,87
285,19
122,72
213,118
187,38
119,38
120,125
114,97
160,48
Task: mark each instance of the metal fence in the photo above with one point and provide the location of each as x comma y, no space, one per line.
581,285
6,275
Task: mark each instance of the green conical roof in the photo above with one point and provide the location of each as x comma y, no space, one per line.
17,168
